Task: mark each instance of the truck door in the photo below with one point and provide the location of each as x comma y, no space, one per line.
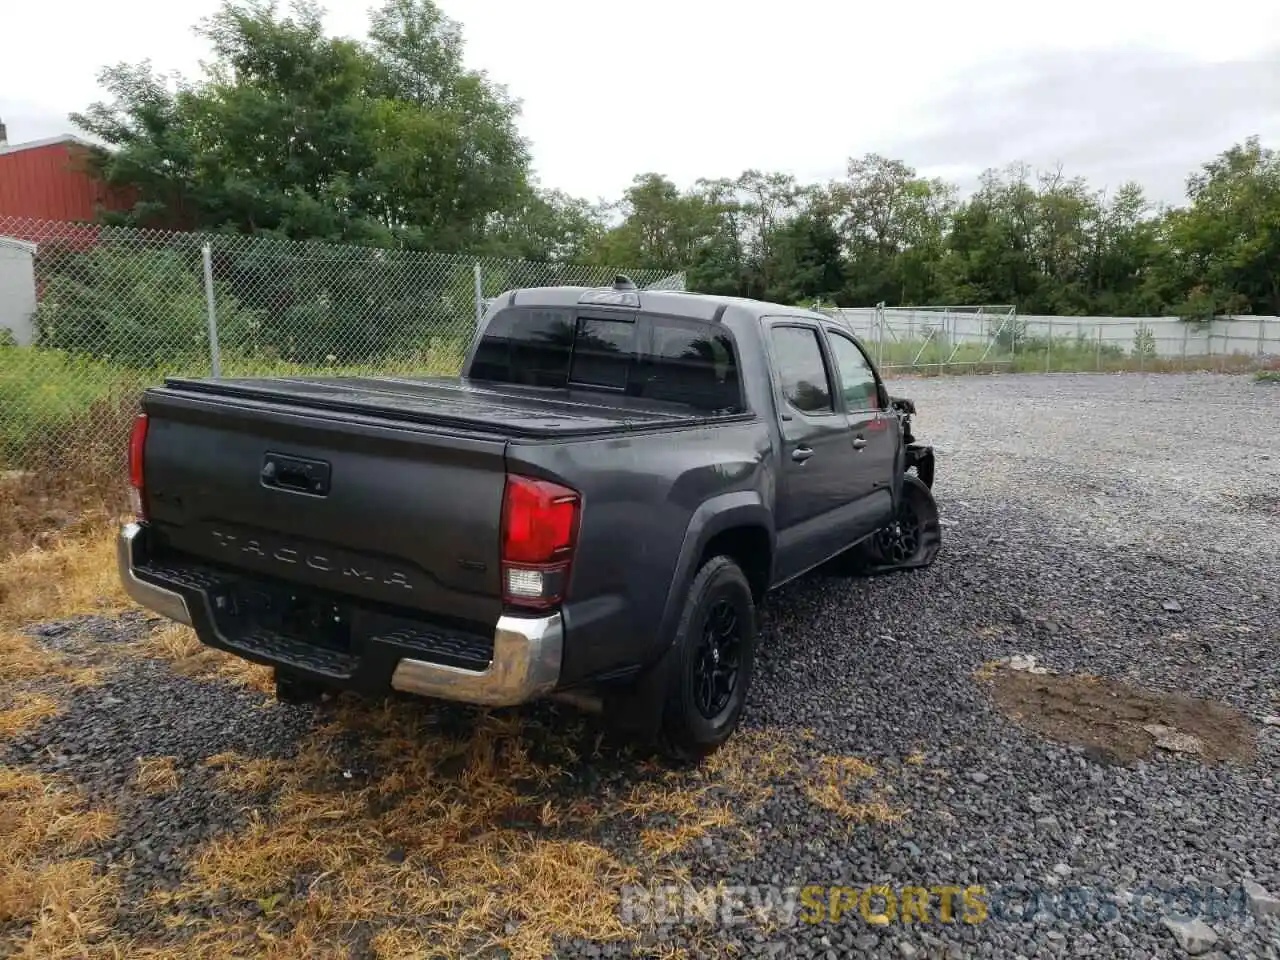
873,432
815,513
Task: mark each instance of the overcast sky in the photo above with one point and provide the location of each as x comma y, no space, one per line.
1110,89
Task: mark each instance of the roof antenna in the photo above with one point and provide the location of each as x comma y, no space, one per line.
623,282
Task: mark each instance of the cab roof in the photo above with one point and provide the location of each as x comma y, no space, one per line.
673,303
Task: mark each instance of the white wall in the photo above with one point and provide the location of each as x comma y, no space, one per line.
17,288
1173,337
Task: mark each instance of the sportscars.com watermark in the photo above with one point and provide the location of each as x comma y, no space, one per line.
881,905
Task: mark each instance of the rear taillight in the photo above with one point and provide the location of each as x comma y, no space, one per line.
137,445
539,531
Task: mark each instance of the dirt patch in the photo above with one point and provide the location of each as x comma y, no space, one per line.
1113,720
41,507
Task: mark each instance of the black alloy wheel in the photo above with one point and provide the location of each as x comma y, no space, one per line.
899,541
717,661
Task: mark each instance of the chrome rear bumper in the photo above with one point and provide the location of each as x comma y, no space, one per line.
527,651
162,601
526,665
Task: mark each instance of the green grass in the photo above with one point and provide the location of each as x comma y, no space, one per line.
1267,376
44,392
1036,355
53,404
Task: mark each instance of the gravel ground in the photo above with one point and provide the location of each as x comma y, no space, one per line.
1078,510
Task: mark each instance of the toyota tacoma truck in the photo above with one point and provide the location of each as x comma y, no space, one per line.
594,510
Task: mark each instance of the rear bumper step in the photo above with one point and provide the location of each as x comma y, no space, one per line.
525,665
520,663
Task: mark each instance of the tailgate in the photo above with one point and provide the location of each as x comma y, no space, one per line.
400,514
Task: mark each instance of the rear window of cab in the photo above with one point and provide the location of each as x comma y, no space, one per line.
637,354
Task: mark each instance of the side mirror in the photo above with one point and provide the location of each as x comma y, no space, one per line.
903,405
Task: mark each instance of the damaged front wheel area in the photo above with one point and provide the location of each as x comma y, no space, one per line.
914,537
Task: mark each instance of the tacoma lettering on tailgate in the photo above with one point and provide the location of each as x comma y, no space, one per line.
316,561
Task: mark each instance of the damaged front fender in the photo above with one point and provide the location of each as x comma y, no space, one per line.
920,456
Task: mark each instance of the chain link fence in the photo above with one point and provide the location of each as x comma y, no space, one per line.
963,339
89,315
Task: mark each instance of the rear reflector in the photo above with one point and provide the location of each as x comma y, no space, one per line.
539,532
137,446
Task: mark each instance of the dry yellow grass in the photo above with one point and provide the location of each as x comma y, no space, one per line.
237,772
31,709
156,774
456,836
252,675
63,579
836,781
400,943
65,899
476,860
171,641
49,583
22,660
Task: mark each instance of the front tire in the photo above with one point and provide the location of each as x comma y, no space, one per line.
711,662
912,539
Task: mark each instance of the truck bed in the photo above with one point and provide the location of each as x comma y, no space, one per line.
470,406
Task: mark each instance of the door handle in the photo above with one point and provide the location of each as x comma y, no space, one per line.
859,443
801,454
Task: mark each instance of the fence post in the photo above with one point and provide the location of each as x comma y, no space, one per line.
1185,332
215,356
879,319
1142,345
1262,326
1048,353
479,295
1098,361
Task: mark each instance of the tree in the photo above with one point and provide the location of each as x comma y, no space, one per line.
546,225
1225,245
661,227
892,222
804,260
294,133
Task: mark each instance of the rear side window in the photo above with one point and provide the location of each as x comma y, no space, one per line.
694,364
798,358
653,358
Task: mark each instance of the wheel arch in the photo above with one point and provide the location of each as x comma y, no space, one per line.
737,525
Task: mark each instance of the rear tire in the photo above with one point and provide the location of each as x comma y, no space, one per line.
709,667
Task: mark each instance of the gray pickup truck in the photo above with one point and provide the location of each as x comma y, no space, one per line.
592,511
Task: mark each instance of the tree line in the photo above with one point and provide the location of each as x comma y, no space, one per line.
390,141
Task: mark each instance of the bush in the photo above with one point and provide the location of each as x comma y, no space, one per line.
139,308
311,303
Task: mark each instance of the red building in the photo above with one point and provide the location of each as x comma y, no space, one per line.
51,180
